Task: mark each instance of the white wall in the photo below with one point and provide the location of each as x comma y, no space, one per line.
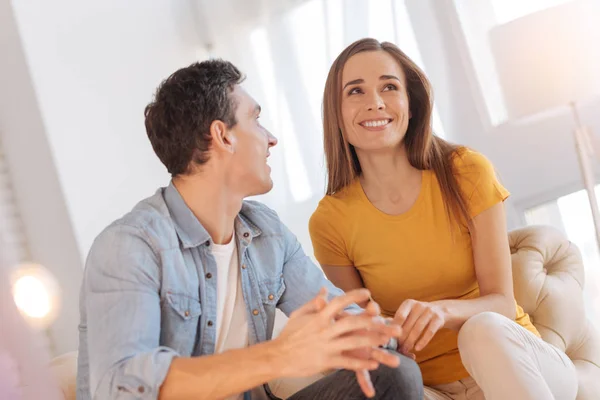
75,79
95,65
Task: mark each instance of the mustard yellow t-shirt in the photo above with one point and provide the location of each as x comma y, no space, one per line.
413,255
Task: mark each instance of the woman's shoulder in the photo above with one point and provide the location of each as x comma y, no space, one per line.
465,158
341,204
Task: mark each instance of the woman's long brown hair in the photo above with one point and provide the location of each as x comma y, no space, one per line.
424,149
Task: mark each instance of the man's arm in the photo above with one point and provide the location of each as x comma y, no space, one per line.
123,308
303,278
121,297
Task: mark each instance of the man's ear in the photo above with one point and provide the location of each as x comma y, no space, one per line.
222,137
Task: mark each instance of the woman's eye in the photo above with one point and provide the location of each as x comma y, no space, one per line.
390,86
354,91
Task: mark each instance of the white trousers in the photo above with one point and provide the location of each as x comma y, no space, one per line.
506,361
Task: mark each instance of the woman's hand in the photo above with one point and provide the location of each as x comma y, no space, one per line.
420,321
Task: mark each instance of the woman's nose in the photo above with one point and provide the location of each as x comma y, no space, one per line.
375,103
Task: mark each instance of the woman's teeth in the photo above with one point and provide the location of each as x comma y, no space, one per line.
372,124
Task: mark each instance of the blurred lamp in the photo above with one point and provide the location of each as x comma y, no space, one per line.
548,60
36,294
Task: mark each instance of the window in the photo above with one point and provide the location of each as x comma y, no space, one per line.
477,18
508,10
306,39
572,215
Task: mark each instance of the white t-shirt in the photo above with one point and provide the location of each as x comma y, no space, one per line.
232,318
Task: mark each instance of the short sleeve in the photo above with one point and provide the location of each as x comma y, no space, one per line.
326,235
477,179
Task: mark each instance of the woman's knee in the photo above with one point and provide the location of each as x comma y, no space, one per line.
483,331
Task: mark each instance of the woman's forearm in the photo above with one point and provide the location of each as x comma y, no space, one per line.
457,312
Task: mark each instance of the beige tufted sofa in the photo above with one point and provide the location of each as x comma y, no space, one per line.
548,278
548,275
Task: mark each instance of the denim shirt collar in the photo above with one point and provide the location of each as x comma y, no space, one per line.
191,232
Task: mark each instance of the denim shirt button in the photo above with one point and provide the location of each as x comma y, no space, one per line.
208,276
244,266
271,297
207,243
246,234
210,323
187,313
255,312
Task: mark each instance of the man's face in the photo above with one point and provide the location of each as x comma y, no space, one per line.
252,143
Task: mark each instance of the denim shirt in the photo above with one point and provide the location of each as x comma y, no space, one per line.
149,292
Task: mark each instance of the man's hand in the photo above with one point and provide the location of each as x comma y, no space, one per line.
420,321
373,353
313,341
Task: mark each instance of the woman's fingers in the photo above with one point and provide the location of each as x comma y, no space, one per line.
409,322
432,328
417,330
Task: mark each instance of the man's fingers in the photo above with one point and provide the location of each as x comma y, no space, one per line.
364,381
364,324
373,308
355,342
385,357
315,305
353,364
339,303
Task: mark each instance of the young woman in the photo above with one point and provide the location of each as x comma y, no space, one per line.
421,223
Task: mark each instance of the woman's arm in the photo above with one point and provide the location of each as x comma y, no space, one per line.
491,252
346,278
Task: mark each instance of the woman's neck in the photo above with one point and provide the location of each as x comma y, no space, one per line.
388,179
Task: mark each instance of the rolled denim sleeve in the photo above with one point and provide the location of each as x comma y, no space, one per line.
121,290
303,279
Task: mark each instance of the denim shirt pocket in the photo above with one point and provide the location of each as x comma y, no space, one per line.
271,290
180,322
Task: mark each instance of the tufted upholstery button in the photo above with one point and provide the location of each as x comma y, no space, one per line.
548,277
141,389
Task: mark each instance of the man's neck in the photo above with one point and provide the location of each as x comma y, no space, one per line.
214,204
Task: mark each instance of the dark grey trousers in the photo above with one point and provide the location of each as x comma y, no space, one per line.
401,383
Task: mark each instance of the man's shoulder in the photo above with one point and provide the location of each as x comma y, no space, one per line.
149,220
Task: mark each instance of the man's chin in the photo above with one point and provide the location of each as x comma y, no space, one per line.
264,188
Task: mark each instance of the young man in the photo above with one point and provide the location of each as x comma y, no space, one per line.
179,296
